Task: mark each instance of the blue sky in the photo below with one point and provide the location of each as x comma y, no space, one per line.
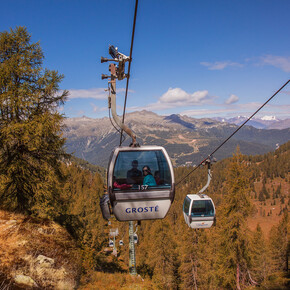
201,58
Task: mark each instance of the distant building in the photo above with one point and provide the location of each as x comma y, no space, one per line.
188,164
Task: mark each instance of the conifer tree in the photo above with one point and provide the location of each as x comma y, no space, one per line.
261,196
264,191
280,244
198,259
278,191
189,259
163,259
233,251
261,261
30,140
81,214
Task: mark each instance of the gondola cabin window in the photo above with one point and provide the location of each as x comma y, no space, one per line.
186,205
202,208
141,170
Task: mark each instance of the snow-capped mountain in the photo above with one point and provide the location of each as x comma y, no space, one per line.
265,122
269,118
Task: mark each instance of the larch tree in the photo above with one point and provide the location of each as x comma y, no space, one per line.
31,145
81,214
261,259
234,241
280,245
163,257
189,257
197,260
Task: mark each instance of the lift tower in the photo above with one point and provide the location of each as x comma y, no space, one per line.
118,73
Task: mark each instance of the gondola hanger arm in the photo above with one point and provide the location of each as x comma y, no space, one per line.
117,72
207,162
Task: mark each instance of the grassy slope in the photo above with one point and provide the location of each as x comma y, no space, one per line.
112,281
263,215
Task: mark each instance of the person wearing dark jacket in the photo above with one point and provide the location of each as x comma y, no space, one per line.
134,175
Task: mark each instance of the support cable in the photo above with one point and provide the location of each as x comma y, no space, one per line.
210,155
129,67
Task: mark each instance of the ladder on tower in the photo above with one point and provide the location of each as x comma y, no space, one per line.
132,256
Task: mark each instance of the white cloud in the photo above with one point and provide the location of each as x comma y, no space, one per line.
96,93
176,97
151,107
231,100
205,112
81,113
220,65
97,109
201,104
276,109
280,62
280,111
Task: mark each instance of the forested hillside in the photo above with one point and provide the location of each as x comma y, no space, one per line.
252,198
241,251
172,256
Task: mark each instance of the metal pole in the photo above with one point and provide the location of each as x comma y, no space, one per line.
113,105
132,256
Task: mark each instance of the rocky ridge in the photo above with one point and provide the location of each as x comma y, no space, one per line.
186,139
36,254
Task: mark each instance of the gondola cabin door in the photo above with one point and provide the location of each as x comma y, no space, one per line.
140,183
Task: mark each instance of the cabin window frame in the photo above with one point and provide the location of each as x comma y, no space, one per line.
161,161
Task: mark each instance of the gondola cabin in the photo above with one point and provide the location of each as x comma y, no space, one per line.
135,238
198,211
140,183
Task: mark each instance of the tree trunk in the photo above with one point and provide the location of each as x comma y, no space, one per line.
238,277
193,272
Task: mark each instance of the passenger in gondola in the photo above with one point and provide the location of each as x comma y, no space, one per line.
148,177
157,178
134,175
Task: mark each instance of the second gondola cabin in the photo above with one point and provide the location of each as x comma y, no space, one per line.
198,211
111,243
140,183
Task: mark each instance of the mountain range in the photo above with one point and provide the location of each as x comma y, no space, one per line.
266,122
187,140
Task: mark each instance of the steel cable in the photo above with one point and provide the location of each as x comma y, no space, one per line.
129,67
